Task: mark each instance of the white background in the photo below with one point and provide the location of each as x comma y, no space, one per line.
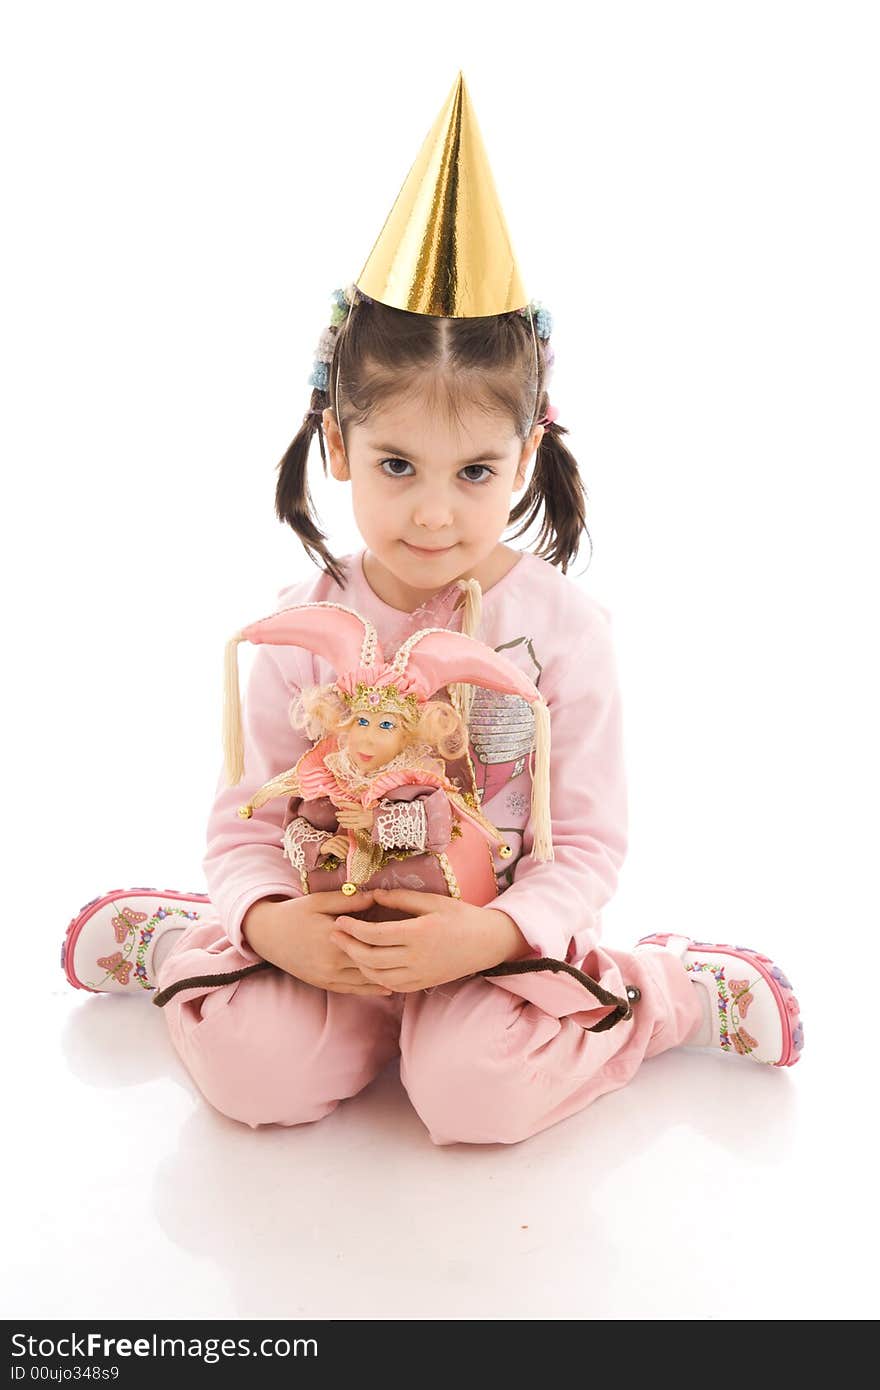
691,189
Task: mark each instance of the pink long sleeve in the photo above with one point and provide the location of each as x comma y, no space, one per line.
559,902
552,629
245,859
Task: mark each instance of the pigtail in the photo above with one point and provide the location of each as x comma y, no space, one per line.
293,499
557,496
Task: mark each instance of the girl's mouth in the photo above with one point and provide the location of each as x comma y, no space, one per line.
424,550
366,757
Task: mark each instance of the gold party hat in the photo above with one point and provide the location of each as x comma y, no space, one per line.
445,248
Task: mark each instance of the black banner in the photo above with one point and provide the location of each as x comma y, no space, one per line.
133,1353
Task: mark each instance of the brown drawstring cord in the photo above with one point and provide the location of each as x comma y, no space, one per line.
194,981
622,1007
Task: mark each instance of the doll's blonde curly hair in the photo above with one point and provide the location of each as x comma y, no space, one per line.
320,710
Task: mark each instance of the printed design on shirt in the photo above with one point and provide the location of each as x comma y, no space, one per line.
502,727
734,999
501,737
132,936
516,803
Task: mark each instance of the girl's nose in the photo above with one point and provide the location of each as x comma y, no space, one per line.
433,513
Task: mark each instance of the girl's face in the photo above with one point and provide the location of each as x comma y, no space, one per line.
431,496
374,739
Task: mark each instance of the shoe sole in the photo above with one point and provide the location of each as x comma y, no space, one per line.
89,909
764,965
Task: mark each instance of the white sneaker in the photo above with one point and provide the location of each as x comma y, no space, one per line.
109,946
742,985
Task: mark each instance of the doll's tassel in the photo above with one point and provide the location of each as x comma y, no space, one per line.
473,606
286,783
233,749
462,695
542,828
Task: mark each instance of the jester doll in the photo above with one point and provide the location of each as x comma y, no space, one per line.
370,804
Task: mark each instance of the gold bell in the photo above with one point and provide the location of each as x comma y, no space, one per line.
245,812
505,852
349,888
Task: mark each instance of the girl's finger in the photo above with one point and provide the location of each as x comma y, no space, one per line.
377,957
376,933
395,979
353,975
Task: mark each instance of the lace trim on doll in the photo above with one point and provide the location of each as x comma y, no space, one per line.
449,875
340,763
368,646
402,655
402,824
298,834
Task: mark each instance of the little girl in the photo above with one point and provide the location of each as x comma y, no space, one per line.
430,398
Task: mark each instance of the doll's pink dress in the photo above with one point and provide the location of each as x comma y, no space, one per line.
424,835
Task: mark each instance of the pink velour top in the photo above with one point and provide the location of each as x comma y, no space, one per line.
560,637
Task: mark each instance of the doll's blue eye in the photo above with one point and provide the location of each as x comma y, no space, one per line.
362,722
386,724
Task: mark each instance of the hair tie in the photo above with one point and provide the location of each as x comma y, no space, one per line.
341,302
542,316
342,299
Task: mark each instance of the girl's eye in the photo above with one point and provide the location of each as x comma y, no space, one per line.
386,724
395,474
468,473
478,468
363,723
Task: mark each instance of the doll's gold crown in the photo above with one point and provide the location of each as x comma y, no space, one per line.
381,699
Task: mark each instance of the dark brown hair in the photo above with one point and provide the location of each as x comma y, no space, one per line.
382,353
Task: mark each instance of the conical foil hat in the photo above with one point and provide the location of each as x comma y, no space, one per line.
445,248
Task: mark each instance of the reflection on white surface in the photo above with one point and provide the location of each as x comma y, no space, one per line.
702,1190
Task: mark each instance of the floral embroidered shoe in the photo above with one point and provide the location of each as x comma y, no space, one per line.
109,945
753,1008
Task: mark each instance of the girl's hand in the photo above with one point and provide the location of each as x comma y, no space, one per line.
444,939
294,934
353,816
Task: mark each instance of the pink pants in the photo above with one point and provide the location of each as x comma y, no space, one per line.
481,1065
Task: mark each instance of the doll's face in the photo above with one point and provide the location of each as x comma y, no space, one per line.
374,739
431,495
